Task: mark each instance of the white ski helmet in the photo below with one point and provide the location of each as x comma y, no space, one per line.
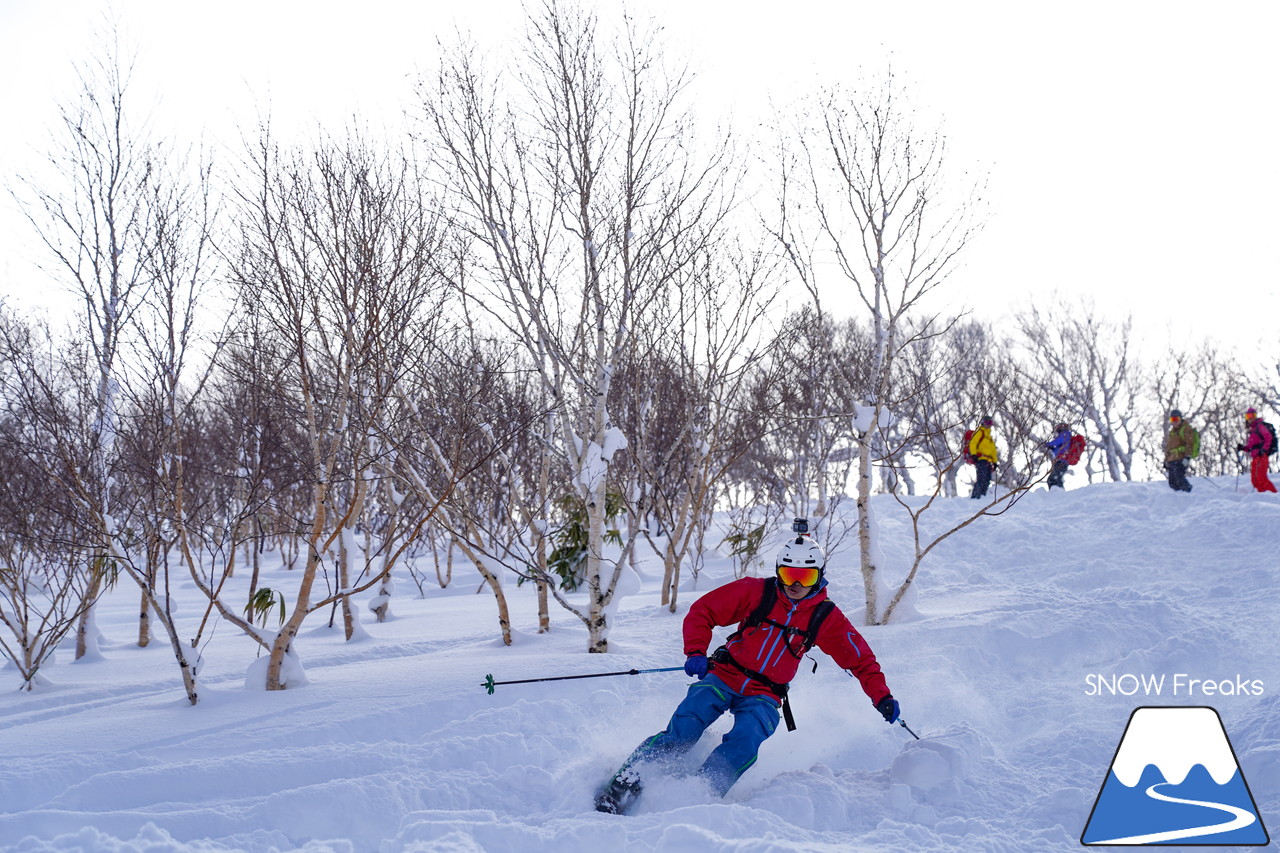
801,552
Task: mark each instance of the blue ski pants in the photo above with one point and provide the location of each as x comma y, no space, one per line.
754,719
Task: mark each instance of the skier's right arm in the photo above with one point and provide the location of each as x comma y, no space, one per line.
725,605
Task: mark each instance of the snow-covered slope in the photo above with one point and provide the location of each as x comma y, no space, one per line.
1013,663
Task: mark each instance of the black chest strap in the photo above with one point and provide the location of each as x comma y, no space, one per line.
759,616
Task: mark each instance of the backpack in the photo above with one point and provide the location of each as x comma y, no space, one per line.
1269,447
1075,449
760,615
969,458
1195,443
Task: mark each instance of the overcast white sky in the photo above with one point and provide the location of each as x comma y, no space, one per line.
1131,147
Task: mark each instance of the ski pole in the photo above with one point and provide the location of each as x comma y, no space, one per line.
489,683
903,723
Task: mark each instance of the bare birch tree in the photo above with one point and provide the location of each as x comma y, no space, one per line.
1088,373
806,452
953,380
130,235
861,185
48,576
496,515
339,264
93,218
577,184
172,363
705,348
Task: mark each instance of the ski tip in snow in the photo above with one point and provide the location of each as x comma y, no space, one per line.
621,792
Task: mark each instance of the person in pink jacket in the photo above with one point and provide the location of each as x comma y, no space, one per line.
1257,444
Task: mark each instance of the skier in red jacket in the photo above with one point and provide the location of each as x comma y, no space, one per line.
748,675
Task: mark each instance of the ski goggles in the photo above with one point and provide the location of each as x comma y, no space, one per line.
803,575
1173,419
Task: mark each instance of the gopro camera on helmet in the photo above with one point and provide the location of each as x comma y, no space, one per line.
801,560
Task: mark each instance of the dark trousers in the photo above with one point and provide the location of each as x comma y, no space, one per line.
1177,471
1059,471
984,478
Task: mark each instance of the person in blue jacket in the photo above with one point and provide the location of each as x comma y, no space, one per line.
1058,446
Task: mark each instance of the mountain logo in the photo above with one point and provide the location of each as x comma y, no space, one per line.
1175,780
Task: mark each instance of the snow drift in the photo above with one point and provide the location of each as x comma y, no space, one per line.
1003,664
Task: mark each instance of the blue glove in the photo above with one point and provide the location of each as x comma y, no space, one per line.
696,665
888,707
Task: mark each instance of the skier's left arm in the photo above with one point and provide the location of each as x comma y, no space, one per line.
839,639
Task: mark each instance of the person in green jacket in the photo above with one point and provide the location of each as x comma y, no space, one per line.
1179,446
982,447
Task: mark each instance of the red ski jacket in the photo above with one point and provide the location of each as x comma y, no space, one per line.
766,648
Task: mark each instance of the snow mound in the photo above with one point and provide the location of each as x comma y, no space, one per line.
390,744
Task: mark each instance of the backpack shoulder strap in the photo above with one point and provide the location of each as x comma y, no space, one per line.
820,613
761,614
761,611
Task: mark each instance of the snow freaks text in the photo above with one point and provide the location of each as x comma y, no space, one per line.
1179,684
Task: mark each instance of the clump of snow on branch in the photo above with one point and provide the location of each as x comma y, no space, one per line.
864,415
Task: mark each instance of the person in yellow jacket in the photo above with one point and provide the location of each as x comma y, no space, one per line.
982,447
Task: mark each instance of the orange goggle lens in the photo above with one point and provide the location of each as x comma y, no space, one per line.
797,574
